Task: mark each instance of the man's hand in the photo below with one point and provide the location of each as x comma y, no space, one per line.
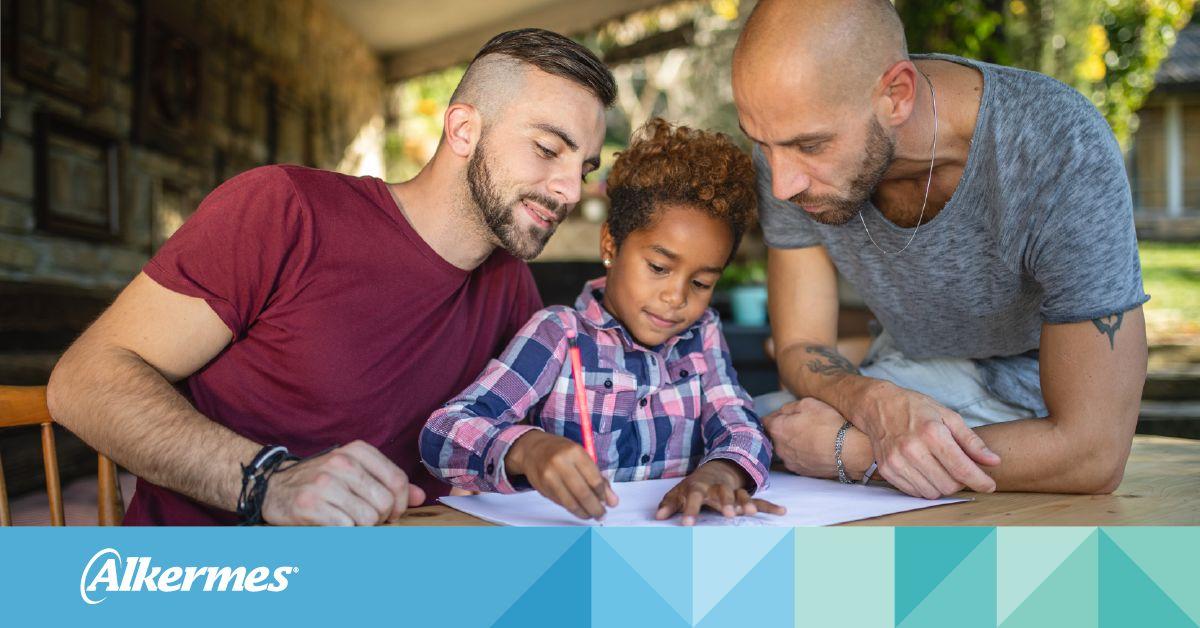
562,471
923,448
351,485
718,484
803,432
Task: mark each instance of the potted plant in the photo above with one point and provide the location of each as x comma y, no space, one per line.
746,283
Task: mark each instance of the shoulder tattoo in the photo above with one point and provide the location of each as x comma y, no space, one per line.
1108,326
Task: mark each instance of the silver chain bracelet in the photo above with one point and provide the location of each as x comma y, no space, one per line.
837,453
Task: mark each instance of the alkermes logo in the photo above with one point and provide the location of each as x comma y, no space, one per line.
135,573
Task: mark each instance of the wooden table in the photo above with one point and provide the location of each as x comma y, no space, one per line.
1161,487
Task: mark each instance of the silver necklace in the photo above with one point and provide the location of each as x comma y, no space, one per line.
932,153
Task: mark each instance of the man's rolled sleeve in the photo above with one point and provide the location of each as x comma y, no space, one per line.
1083,250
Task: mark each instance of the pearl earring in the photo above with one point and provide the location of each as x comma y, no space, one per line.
607,263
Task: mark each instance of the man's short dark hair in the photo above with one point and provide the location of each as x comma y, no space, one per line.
554,54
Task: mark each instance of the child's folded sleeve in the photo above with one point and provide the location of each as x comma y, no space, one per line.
730,428
465,442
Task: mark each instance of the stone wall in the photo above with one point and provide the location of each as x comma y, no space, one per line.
231,85
190,92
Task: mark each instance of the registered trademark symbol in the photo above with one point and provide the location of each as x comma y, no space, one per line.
295,570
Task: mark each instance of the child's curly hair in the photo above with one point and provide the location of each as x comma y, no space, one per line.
667,164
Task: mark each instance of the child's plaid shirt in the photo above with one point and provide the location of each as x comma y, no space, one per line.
656,413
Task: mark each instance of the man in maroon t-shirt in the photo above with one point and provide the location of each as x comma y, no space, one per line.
307,313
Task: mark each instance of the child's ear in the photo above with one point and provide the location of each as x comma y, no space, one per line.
608,247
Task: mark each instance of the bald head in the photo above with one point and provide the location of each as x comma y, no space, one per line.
838,48
823,87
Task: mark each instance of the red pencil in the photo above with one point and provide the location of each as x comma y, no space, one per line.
585,417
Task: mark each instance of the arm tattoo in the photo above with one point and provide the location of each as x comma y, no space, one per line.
1108,326
833,363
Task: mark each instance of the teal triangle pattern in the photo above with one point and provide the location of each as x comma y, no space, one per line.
562,595
722,556
1129,597
1026,557
964,597
1170,556
622,597
1069,596
523,553
925,556
835,567
660,556
765,597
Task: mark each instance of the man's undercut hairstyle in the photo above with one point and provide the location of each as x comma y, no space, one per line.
494,74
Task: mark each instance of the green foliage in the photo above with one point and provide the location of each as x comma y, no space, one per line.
421,103
748,273
964,27
1171,275
1107,49
1140,33
685,76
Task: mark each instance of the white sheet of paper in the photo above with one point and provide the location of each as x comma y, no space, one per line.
810,502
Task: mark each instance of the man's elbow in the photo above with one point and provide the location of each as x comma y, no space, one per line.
63,387
1106,466
56,390
1104,477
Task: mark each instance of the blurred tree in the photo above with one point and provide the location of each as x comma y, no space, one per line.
419,105
969,28
673,61
670,61
1107,49
1126,43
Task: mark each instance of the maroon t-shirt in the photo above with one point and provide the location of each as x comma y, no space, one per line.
346,324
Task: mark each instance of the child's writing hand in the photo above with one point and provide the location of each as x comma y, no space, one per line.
718,484
562,471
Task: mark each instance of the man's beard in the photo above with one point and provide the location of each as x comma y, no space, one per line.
498,215
877,158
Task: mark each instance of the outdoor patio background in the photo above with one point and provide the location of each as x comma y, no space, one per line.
192,92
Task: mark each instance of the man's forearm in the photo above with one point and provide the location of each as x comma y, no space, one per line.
124,408
1037,456
1092,384
815,370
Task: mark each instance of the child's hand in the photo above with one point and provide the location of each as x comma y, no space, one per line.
562,471
717,484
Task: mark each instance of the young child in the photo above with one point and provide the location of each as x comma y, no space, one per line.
663,397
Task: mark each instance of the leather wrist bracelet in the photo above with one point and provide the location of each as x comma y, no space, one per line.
254,481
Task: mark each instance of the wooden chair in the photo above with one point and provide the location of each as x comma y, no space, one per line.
26,405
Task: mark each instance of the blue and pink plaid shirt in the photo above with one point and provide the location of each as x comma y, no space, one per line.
656,413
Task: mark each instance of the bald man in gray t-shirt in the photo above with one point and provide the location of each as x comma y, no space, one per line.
983,213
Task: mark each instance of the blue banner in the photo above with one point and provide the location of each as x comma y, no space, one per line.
715,576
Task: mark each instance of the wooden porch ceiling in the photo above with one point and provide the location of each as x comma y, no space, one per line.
413,37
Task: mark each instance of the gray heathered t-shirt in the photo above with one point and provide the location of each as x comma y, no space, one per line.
1039,230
